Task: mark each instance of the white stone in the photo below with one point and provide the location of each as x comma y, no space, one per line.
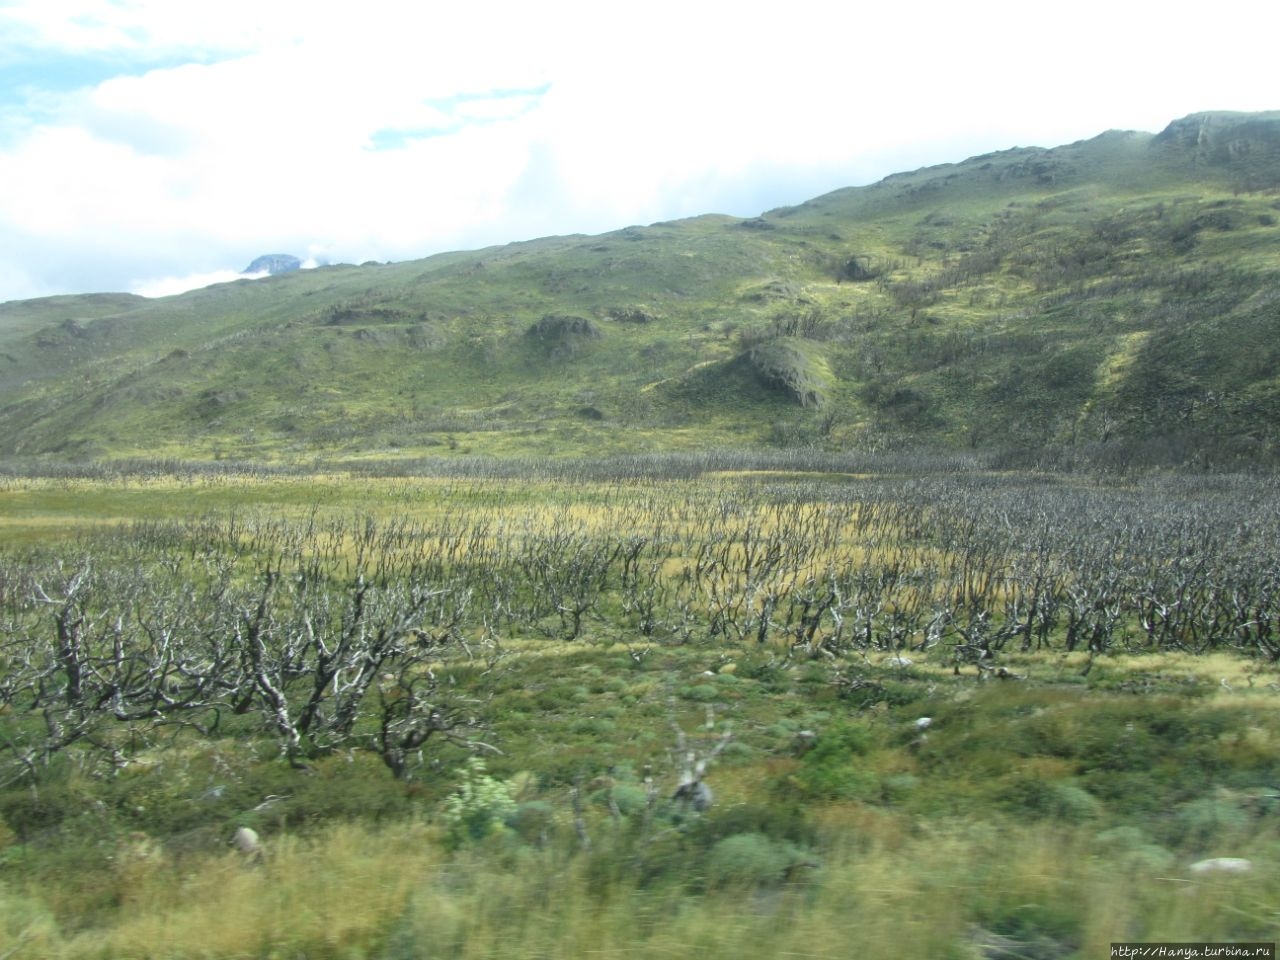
246,841
1222,865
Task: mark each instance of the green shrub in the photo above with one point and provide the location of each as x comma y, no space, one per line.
834,769
1133,848
898,787
593,726
900,693
1055,800
778,821
1072,804
769,672
700,693
60,800
784,729
532,820
750,859
1205,821
1042,929
1122,838
628,799
342,786
479,808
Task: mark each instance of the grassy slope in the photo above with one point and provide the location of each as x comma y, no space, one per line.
1114,293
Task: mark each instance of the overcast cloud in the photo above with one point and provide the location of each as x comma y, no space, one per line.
149,145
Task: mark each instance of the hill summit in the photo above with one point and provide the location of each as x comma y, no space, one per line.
1113,300
273,263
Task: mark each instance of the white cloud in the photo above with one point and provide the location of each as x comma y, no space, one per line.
171,286
148,25
394,130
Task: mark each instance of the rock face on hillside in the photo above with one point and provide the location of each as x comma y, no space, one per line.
794,367
1221,128
1243,140
562,336
274,263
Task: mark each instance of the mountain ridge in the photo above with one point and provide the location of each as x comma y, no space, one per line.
1114,298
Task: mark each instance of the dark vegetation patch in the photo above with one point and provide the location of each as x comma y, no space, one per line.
562,336
775,290
366,311
631,314
858,269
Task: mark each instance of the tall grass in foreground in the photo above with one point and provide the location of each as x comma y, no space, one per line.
891,890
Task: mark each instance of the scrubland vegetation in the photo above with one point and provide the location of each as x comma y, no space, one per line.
951,713
895,574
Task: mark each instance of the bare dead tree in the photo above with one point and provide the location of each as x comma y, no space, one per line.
692,792
413,706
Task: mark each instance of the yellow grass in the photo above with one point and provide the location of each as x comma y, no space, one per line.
341,889
886,886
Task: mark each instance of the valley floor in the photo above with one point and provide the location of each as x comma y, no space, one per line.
939,715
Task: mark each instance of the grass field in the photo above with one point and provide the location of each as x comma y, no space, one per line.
183,655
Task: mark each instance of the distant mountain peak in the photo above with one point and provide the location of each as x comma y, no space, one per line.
274,263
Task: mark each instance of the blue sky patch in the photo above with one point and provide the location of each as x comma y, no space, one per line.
34,86
29,74
461,111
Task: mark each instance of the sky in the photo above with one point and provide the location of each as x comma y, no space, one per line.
152,146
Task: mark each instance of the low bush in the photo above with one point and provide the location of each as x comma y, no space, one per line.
480,807
751,860
836,767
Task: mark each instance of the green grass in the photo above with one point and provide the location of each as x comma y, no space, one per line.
961,889
1005,839
1048,814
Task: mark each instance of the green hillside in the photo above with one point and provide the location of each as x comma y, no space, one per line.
1113,299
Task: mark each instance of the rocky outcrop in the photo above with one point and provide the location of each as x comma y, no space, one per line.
1249,142
635,314
562,336
794,367
274,263
555,326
